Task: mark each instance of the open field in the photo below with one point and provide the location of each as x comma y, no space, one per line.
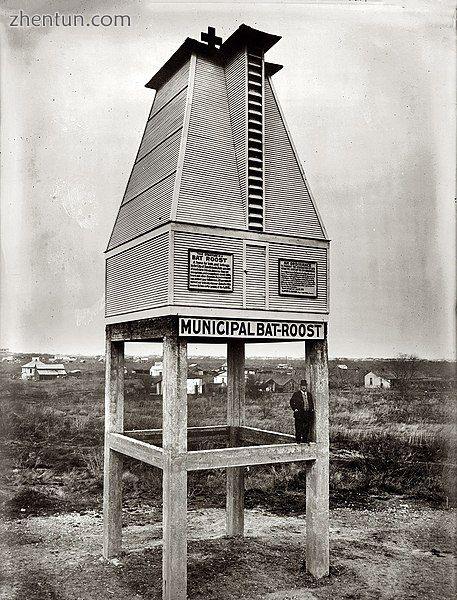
392,493
381,442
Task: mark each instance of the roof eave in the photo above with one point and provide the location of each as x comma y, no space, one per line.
183,53
245,34
272,68
239,38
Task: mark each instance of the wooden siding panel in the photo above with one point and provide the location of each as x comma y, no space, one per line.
255,277
150,209
288,206
135,278
163,124
149,194
155,166
235,76
210,188
171,88
290,303
182,295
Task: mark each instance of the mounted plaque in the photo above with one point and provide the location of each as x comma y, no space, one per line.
297,278
210,271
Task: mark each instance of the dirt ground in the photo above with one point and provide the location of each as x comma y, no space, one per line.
392,550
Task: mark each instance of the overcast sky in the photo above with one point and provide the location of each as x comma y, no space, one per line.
368,90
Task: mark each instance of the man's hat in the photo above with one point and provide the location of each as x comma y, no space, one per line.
303,382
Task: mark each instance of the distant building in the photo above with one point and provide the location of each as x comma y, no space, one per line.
62,357
8,359
375,380
156,369
140,371
221,378
37,370
194,385
75,373
197,369
279,384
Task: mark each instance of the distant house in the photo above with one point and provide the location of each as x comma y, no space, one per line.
221,378
196,368
194,385
63,358
37,370
378,380
8,359
279,384
75,373
156,369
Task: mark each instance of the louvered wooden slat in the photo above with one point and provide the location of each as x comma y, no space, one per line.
255,277
289,207
150,209
169,90
163,124
210,185
235,78
158,163
134,278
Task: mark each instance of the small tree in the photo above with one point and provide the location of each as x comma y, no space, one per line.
406,369
252,388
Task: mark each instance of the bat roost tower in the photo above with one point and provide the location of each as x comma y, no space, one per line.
218,238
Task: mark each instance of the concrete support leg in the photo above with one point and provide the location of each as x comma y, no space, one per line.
235,417
174,561
114,423
317,473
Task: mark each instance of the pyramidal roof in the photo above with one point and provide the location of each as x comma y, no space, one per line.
216,150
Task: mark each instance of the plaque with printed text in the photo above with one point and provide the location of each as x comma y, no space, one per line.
210,271
297,278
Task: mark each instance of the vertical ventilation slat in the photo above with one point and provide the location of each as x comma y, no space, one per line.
255,122
256,293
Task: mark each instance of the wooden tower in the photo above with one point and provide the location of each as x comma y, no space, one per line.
218,238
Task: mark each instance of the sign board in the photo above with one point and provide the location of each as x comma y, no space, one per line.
297,278
210,271
245,328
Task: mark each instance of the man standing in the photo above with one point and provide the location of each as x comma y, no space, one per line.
303,406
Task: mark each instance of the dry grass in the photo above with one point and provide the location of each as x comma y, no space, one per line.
386,442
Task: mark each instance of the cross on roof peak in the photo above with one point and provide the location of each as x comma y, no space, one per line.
211,38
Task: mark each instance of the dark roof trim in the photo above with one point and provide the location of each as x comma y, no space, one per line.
177,59
247,35
272,68
242,36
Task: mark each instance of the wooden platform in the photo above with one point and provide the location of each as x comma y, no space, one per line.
253,449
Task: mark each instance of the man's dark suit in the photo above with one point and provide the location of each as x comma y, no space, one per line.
303,415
